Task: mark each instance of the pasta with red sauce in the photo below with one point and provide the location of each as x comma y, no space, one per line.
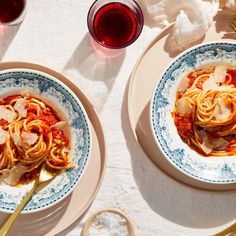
31,134
205,110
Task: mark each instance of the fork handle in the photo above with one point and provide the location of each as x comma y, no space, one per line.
12,218
230,229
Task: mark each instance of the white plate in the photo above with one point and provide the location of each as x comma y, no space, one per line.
62,98
213,170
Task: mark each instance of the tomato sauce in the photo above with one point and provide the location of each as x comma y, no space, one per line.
193,75
233,75
49,117
184,126
8,99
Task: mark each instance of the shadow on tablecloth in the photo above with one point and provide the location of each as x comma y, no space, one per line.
7,33
91,63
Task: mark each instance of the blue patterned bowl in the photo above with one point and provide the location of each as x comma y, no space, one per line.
213,170
62,98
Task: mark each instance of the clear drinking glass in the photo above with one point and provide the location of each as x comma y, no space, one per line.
12,11
115,24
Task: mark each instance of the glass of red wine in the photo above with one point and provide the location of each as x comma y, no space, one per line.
12,11
115,24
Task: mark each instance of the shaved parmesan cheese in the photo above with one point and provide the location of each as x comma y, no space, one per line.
217,77
183,86
210,83
206,144
65,149
220,73
183,106
59,125
220,143
20,107
4,136
206,147
221,111
6,114
17,139
29,138
25,93
12,176
210,144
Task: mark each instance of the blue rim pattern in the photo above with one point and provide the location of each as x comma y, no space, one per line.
177,153
49,88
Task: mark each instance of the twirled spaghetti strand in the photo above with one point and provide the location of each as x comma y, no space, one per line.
205,112
30,136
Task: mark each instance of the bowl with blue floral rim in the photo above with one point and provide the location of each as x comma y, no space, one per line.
210,170
69,108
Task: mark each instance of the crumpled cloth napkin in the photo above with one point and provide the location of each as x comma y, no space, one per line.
230,3
192,18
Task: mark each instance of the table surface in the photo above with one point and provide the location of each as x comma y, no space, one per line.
54,33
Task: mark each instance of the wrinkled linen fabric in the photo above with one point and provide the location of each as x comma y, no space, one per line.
230,3
191,18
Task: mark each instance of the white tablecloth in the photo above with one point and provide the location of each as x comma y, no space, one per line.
54,33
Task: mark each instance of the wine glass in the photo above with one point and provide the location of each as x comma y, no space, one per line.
115,24
12,11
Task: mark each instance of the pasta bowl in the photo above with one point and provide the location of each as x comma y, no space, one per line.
219,169
67,106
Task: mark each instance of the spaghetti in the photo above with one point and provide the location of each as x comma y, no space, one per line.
31,134
205,110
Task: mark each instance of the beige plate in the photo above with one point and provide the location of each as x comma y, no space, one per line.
57,218
150,66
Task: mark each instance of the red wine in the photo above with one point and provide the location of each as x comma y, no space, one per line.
10,10
115,25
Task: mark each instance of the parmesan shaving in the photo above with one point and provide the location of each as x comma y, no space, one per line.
221,111
12,176
208,145
59,125
183,85
29,138
20,107
220,73
17,139
220,143
65,149
183,106
210,83
4,136
6,114
25,94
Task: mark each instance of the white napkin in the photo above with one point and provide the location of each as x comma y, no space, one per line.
230,3
192,18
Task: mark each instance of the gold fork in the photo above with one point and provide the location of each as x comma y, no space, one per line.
45,176
232,24
231,230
